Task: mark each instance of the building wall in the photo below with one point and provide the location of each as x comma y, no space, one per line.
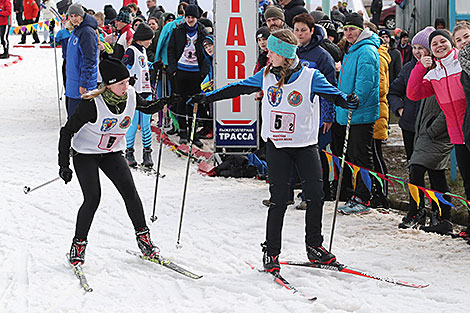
425,12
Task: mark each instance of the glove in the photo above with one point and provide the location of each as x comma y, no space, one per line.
173,101
132,80
352,101
198,98
66,174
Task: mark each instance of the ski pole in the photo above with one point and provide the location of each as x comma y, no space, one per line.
153,218
193,130
340,179
27,189
57,80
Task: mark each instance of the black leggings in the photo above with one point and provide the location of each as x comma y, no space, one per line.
307,161
379,166
462,154
187,85
4,30
438,182
115,167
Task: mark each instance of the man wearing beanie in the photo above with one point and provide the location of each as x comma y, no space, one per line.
274,18
153,9
124,27
82,57
292,8
96,132
186,65
262,35
135,58
359,74
395,65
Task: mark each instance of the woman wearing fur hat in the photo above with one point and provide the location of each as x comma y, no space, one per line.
135,58
98,128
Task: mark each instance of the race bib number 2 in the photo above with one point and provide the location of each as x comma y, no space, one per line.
109,141
282,122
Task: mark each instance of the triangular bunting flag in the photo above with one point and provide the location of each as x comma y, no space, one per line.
366,178
379,180
433,196
356,169
414,191
440,196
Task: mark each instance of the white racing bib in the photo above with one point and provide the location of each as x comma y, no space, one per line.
141,70
108,133
290,119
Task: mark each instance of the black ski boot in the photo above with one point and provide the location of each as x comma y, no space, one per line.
270,262
130,158
77,251
5,54
198,142
438,225
145,244
415,221
183,136
147,157
318,254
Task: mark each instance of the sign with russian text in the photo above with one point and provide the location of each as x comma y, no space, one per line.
235,58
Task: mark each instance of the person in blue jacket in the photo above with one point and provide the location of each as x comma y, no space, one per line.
82,57
290,110
359,73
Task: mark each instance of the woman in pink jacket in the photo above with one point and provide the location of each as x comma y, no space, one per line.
441,77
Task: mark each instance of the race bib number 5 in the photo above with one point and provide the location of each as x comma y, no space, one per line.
282,122
109,141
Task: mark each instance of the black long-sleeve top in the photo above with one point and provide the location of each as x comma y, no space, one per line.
86,113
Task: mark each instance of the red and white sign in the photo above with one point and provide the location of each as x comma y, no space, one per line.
235,58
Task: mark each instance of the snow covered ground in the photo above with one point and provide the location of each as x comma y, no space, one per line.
224,223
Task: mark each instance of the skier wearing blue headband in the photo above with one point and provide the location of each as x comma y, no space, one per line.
291,120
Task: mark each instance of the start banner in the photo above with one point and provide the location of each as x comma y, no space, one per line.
236,119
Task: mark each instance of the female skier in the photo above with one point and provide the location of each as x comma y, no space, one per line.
98,127
291,119
135,58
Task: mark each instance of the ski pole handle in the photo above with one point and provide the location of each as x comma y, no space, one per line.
27,189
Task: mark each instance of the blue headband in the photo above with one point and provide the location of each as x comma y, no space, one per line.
282,48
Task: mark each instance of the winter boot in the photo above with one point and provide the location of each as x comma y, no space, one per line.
5,54
267,202
355,206
270,262
147,157
197,141
443,227
318,254
464,234
183,136
145,244
414,221
77,251
302,206
130,158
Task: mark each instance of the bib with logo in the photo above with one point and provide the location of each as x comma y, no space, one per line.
108,132
141,70
290,119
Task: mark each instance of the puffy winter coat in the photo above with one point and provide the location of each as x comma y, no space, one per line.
31,9
176,48
432,145
381,125
162,47
397,98
293,8
464,58
444,82
360,73
396,64
82,58
5,13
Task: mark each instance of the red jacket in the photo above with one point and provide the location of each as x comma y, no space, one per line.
31,9
5,13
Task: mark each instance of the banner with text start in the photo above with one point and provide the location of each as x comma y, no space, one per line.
236,120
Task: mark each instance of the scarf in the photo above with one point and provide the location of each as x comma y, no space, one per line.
113,100
191,30
295,67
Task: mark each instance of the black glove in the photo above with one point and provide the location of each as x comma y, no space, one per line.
199,98
352,101
132,80
52,25
66,174
174,100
